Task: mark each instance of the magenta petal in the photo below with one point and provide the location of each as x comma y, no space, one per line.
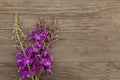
36,50
37,45
45,53
32,31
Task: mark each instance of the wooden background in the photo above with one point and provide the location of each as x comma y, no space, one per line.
89,30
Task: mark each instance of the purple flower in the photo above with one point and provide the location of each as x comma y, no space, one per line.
48,69
47,39
37,54
19,55
26,61
46,62
29,50
41,68
22,68
38,37
45,53
26,74
32,31
36,50
37,45
31,38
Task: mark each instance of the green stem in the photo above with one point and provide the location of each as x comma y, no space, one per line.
36,77
16,26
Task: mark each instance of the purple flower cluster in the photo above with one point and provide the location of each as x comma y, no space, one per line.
37,58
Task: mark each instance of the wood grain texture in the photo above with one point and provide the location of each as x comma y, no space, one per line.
89,30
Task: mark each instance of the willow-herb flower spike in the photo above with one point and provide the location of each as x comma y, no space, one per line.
33,57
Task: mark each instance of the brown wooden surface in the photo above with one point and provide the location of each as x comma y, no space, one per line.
89,48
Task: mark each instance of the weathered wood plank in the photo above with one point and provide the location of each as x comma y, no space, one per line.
79,39
89,43
79,8
83,70
11,72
